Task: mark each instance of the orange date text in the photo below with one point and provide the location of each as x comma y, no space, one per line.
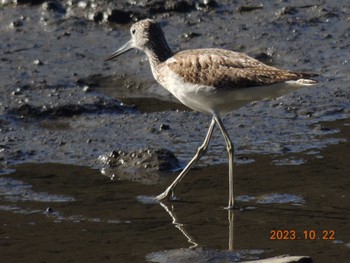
290,234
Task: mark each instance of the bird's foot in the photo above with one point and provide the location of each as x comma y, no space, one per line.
165,195
168,195
162,196
232,207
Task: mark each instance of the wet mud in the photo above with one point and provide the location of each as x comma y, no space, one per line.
61,102
70,122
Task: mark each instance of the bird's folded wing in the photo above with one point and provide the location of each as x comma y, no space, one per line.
226,69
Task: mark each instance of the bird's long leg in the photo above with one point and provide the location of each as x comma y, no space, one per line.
201,150
230,150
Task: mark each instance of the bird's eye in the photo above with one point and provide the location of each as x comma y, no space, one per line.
133,31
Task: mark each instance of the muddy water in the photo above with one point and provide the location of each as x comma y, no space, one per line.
65,213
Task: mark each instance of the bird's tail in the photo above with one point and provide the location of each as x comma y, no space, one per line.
305,79
306,82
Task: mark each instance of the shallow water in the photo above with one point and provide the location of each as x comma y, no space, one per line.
70,213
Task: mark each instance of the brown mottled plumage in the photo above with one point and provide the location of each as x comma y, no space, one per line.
226,69
210,80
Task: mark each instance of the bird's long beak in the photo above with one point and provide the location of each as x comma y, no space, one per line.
126,47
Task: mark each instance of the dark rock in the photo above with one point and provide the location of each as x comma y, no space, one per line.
249,8
49,210
120,17
164,127
18,91
191,35
210,3
17,23
93,80
264,57
179,6
30,2
87,89
38,62
26,110
288,10
35,85
206,5
329,13
98,16
54,6
171,6
144,159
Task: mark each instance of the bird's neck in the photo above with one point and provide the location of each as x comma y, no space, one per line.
158,52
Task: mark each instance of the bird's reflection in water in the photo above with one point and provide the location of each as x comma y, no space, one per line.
190,239
197,253
231,228
179,226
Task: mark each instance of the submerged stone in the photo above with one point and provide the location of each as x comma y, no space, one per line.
148,159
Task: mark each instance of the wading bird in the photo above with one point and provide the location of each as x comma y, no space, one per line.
211,80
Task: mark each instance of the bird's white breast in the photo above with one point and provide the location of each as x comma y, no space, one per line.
194,96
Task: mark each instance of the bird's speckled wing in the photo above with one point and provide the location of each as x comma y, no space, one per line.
226,69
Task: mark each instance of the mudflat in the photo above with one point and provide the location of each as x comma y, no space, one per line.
82,141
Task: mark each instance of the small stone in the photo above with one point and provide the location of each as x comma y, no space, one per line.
38,62
82,4
49,210
287,10
164,127
206,4
190,35
17,23
249,8
119,17
30,2
53,6
86,89
98,16
210,3
18,91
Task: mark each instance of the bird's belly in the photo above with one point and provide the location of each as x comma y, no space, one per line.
196,97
